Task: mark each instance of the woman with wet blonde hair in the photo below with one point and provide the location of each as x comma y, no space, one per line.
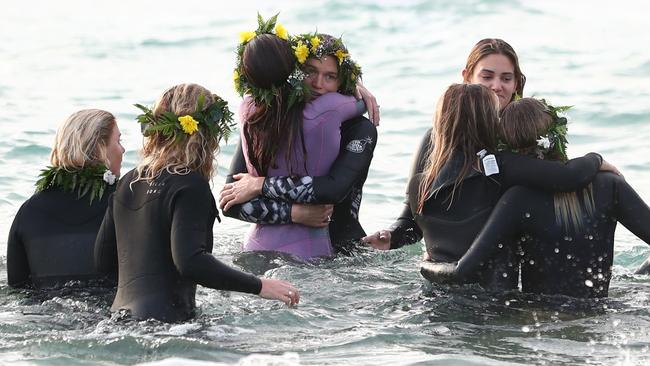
83,140
45,247
179,156
157,233
569,244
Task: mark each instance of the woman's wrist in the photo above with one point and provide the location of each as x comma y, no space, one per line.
258,184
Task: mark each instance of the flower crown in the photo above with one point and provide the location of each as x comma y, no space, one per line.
554,139
296,87
215,120
320,45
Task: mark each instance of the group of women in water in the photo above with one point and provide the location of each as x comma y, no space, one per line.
491,191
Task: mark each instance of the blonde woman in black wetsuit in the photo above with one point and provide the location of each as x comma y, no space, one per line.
53,234
570,236
464,178
157,233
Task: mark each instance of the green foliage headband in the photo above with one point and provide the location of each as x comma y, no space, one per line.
318,45
216,120
297,89
554,139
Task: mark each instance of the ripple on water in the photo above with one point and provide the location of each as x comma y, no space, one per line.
181,42
29,150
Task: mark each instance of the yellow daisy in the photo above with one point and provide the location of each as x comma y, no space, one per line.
244,37
189,124
341,55
315,41
301,52
281,32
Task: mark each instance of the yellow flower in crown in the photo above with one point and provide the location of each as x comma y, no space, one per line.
244,37
315,41
301,52
189,124
341,55
281,32
235,77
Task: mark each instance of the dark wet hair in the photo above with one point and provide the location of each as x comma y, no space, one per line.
267,62
466,122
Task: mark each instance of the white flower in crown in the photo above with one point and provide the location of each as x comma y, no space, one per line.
109,177
544,142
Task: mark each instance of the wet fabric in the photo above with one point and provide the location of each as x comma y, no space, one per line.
158,237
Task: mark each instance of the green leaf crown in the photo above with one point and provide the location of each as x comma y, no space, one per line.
216,120
295,82
553,142
556,133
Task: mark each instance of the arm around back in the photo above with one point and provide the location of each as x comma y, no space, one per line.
547,175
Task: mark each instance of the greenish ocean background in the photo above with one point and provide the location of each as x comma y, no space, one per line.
372,308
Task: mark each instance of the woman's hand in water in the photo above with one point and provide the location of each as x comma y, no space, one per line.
607,167
371,103
244,189
379,240
311,215
273,289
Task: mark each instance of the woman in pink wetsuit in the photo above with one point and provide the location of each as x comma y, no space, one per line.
284,137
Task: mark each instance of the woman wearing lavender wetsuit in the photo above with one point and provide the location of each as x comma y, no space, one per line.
281,138
281,200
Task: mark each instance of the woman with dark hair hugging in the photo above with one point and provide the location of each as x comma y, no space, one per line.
465,176
285,132
569,244
307,199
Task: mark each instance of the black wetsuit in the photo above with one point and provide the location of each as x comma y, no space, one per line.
342,186
52,237
560,260
449,230
158,236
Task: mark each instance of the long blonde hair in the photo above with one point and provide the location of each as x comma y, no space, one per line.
83,139
195,152
522,123
465,122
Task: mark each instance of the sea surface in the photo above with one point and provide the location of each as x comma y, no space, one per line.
372,308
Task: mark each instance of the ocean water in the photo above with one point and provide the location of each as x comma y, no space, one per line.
371,308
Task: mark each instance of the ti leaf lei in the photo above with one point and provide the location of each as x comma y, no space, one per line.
91,181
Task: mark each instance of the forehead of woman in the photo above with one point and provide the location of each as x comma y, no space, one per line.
496,64
325,64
